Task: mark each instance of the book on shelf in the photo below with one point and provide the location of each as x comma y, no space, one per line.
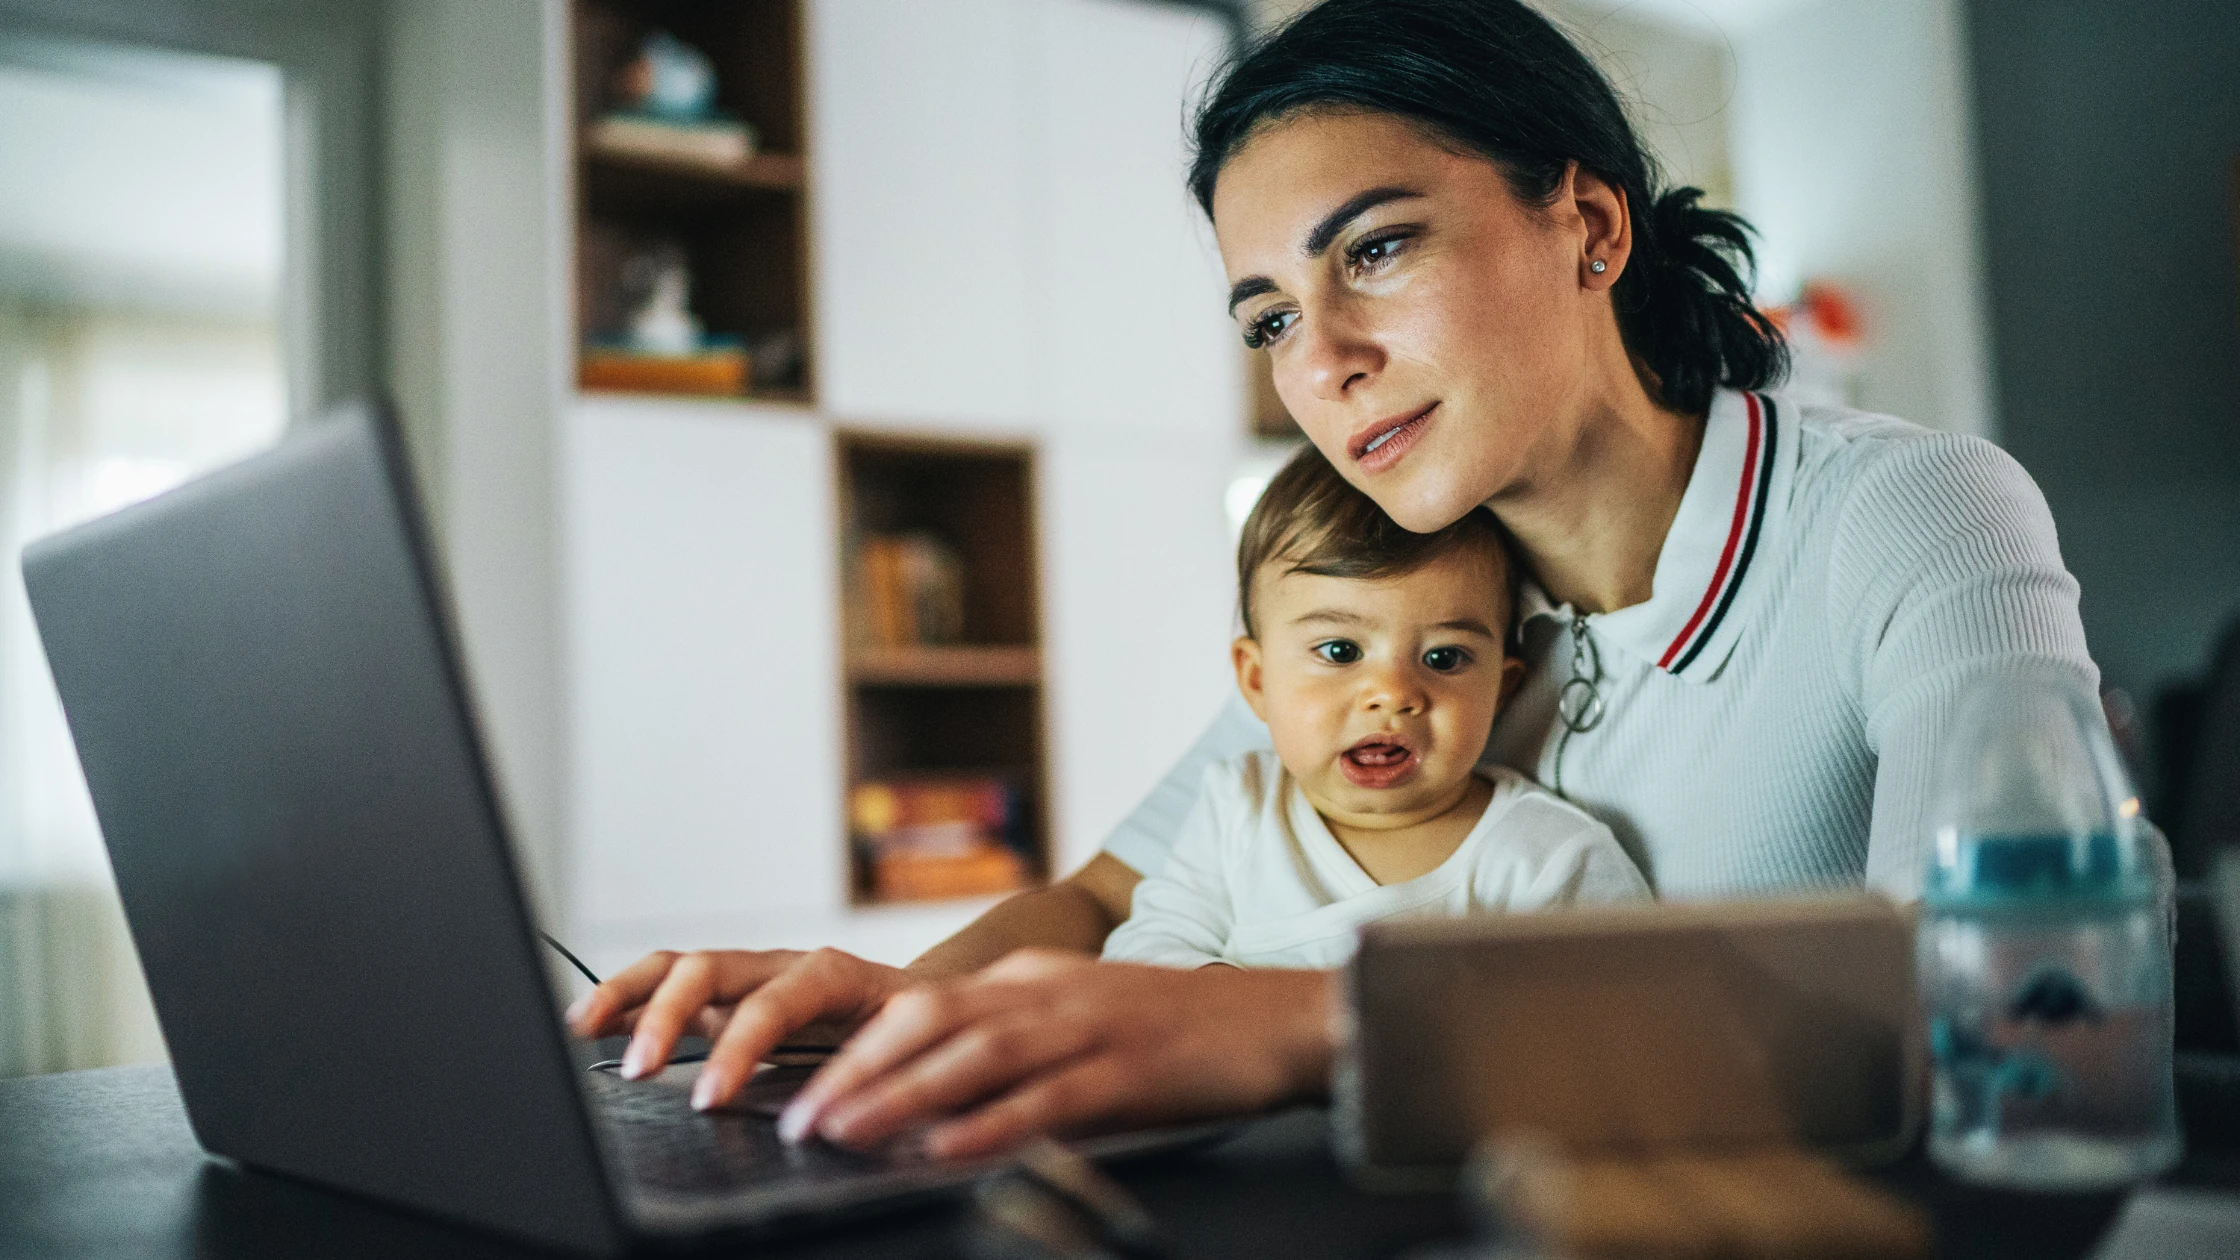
909,590
711,142
923,838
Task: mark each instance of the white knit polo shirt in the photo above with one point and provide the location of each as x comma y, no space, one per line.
1773,711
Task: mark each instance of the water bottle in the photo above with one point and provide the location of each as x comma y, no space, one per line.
2044,950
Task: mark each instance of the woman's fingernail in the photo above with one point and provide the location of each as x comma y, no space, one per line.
935,1142
575,1010
842,1125
704,1090
633,1062
797,1119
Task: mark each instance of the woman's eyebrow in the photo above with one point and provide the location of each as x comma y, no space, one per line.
1325,231
1249,287
1352,208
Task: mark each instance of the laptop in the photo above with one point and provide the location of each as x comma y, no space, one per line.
266,695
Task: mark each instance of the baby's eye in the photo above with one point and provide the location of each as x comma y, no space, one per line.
1268,328
1338,651
1446,660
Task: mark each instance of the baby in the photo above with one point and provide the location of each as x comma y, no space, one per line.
1378,658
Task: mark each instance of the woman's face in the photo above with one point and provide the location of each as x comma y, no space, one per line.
1430,332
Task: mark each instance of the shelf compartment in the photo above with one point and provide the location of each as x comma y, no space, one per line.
743,226
973,708
960,665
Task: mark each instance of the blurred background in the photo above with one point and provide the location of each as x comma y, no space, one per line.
832,431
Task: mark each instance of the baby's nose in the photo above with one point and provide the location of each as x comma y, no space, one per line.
1390,692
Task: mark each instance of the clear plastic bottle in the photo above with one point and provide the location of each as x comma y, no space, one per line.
2044,951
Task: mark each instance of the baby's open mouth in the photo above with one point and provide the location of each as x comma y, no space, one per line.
1380,761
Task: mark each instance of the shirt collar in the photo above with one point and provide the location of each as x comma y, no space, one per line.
1737,495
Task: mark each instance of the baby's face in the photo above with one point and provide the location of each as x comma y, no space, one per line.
1380,694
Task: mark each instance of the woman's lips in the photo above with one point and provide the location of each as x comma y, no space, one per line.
1381,445
1378,763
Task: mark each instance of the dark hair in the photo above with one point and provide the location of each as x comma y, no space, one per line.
1311,520
1497,79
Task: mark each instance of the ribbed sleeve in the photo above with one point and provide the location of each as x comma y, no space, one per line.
1943,565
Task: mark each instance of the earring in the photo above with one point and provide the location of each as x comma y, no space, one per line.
1598,266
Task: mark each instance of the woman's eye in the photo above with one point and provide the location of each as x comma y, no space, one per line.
1446,660
1338,651
1268,327
1375,252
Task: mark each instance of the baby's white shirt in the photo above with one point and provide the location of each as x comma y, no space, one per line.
1256,878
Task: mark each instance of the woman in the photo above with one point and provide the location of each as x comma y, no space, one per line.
1750,617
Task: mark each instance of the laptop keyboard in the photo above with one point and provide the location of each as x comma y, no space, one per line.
667,1147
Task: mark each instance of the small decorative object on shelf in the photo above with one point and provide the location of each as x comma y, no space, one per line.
925,839
777,360
665,110
663,347
662,321
910,590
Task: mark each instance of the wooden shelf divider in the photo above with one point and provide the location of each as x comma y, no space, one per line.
959,665
776,171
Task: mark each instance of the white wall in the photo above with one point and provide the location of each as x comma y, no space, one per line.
476,179
1852,150
1676,81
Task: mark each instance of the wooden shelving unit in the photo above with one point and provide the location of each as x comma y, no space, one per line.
974,707
743,227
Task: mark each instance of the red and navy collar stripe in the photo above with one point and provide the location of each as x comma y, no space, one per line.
1742,540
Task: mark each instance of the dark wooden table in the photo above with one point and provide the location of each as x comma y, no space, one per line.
102,1164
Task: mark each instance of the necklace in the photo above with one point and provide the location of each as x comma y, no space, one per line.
1579,706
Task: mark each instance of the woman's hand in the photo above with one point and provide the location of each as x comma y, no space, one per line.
1053,1042
745,1001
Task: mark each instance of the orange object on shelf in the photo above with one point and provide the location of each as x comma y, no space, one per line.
710,372
908,876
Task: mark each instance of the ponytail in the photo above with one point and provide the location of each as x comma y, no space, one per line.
1497,79
1684,304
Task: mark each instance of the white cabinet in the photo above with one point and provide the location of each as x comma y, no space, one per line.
703,596
1002,236
1143,415
921,212
1129,292
1140,600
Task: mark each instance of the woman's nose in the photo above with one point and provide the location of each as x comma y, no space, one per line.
1337,357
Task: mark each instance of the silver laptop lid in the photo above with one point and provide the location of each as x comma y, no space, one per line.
270,712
